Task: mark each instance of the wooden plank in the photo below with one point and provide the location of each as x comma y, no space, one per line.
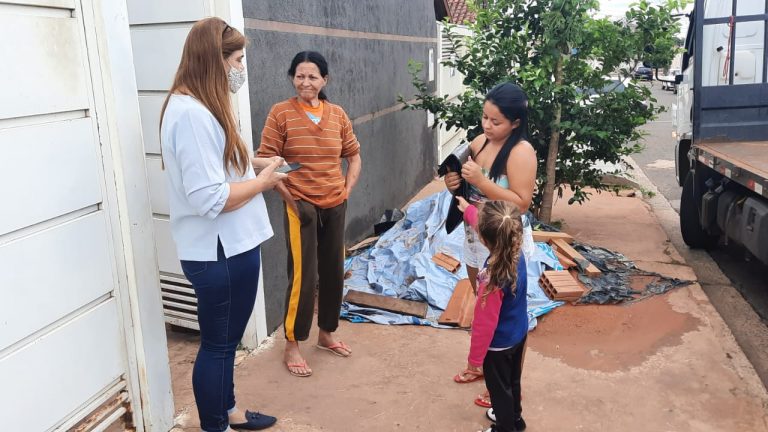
391,304
461,299
564,260
449,259
468,311
546,236
365,243
452,313
439,261
447,262
571,253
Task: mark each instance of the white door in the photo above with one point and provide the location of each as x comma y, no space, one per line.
62,343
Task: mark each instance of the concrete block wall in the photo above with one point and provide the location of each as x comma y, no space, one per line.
368,44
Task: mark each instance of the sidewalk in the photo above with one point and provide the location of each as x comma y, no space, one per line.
668,363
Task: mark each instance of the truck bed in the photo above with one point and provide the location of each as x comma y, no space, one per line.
744,162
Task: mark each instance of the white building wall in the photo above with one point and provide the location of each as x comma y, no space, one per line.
449,83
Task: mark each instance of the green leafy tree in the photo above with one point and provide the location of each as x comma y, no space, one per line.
562,56
655,30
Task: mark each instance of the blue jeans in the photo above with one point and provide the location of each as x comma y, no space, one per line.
226,293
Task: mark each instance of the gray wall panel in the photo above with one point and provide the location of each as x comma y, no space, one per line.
402,17
398,160
366,76
398,149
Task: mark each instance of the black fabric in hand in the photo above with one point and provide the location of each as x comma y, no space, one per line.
453,163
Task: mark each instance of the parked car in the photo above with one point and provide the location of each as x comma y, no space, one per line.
668,80
612,84
643,73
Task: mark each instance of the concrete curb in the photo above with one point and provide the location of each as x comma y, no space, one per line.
735,311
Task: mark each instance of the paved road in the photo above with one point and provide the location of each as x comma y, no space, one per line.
658,158
750,278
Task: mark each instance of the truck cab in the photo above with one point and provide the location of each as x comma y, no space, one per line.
720,121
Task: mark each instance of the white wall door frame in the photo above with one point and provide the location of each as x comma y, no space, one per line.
148,352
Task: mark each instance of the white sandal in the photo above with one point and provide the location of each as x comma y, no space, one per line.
490,414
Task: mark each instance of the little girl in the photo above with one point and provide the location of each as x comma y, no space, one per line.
500,325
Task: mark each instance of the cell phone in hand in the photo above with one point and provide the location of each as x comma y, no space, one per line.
285,169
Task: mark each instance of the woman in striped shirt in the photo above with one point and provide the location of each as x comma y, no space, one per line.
309,130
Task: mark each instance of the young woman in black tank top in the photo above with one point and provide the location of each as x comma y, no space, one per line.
505,125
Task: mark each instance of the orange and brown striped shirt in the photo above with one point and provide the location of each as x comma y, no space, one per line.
319,148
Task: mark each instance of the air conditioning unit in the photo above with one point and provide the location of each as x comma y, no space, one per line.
179,302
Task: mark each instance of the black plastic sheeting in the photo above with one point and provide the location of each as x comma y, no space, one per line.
621,281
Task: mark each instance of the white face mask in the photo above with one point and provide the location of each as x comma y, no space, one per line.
236,78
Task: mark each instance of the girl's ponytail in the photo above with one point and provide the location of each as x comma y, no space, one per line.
501,229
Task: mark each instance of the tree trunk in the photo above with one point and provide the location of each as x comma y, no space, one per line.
548,198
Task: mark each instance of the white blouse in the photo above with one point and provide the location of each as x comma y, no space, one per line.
198,186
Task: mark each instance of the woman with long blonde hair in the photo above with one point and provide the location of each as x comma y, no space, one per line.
217,212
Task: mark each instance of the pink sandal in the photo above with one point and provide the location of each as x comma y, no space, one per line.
298,365
483,400
334,347
473,376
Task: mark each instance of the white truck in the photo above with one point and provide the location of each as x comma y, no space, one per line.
720,121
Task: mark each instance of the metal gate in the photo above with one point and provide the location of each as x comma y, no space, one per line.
63,354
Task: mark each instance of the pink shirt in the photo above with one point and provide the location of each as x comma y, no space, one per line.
486,320
501,317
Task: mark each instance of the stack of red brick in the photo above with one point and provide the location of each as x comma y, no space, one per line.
564,285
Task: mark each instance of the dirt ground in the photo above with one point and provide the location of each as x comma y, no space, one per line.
611,338
667,363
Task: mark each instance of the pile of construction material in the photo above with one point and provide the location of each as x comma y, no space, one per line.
559,285
564,285
459,311
413,274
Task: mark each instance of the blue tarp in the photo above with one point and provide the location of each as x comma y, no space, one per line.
400,265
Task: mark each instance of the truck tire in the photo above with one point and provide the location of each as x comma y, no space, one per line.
682,163
690,222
